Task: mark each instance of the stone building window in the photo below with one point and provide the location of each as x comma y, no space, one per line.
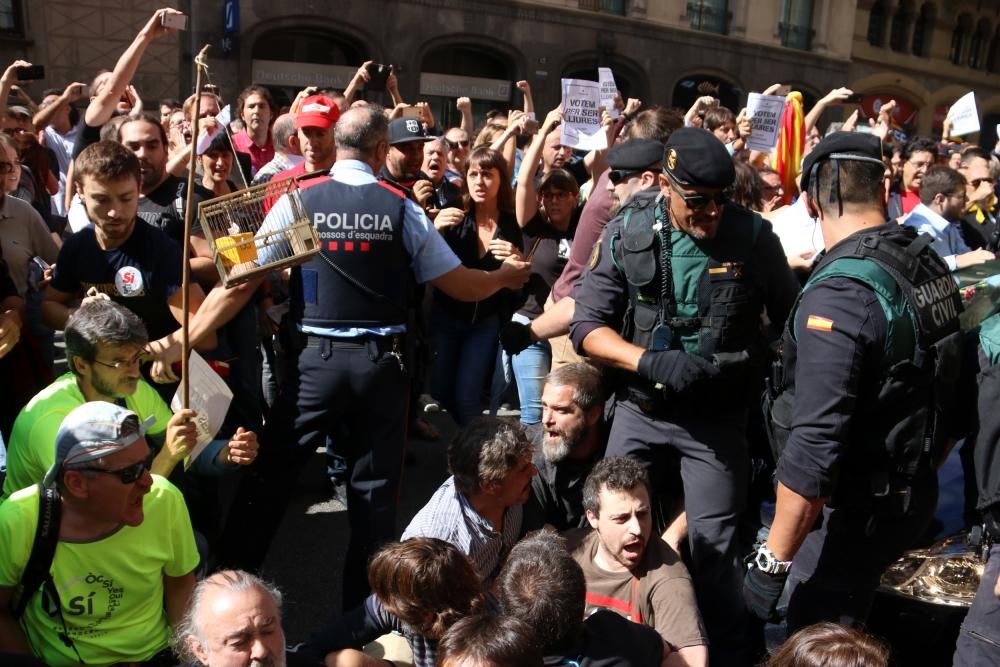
979,45
924,30
876,23
795,27
900,26
709,15
960,39
993,60
618,7
10,16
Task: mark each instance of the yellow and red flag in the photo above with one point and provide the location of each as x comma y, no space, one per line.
788,154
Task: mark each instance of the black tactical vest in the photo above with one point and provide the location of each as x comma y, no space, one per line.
729,301
901,427
361,277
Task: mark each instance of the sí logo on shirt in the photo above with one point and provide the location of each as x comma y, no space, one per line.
128,281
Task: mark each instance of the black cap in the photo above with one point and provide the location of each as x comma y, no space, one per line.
403,130
636,155
841,146
695,157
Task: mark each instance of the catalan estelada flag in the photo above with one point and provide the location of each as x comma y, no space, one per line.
819,323
787,155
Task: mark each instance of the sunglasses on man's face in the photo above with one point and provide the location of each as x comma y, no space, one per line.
455,144
617,176
129,474
697,202
976,182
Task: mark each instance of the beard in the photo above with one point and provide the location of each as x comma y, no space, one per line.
555,449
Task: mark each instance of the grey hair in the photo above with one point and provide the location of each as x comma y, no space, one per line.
234,581
583,378
485,451
283,130
101,321
360,129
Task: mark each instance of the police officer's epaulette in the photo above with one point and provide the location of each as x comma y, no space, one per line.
394,189
920,273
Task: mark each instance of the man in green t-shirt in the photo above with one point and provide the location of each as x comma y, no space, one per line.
123,568
104,346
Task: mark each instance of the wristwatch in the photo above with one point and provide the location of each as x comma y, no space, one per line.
767,563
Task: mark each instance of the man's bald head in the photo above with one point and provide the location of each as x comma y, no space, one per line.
234,620
360,132
283,132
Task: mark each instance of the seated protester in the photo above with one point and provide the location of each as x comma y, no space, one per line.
543,586
123,567
136,265
104,346
420,588
232,604
489,640
941,207
479,509
568,441
628,568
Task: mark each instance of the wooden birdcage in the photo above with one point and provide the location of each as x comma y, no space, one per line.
257,230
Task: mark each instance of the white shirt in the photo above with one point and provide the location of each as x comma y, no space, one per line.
947,236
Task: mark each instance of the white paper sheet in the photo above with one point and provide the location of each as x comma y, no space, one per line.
581,127
209,398
765,113
964,116
609,89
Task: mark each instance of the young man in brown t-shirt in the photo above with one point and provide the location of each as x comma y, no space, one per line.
628,568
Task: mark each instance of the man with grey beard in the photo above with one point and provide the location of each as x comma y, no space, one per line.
233,620
568,441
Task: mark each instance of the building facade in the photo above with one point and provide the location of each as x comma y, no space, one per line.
924,54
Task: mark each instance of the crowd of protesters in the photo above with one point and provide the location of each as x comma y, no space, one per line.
569,536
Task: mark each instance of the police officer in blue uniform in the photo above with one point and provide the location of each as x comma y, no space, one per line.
863,406
349,306
673,298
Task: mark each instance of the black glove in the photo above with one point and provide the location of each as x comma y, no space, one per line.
761,592
514,337
675,369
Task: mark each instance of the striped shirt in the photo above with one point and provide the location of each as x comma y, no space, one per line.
449,516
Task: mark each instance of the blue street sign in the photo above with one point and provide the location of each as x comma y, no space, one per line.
231,17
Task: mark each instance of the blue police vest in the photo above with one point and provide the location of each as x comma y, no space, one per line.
361,277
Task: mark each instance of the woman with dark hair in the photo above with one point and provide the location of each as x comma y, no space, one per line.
830,645
747,189
217,165
420,588
483,235
548,214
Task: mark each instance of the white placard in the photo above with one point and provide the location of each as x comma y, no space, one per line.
609,90
581,126
210,399
964,116
205,140
765,113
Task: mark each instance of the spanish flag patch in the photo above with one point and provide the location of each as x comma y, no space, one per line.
819,323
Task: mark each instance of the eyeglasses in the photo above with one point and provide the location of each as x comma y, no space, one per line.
129,474
13,131
699,201
976,182
920,165
7,167
455,144
616,176
124,363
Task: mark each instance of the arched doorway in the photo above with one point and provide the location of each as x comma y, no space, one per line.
458,70
693,86
288,59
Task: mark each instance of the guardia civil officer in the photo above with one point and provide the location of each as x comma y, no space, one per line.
673,297
979,641
871,357
349,305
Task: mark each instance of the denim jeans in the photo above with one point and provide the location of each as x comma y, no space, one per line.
463,358
530,367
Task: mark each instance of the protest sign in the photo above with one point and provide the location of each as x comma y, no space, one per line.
765,117
609,90
210,399
964,116
581,126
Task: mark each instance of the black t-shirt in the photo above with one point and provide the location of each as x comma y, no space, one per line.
551,252
163,208
463,239
87,135
141,274
608,640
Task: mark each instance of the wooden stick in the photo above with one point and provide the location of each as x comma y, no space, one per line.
188,212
